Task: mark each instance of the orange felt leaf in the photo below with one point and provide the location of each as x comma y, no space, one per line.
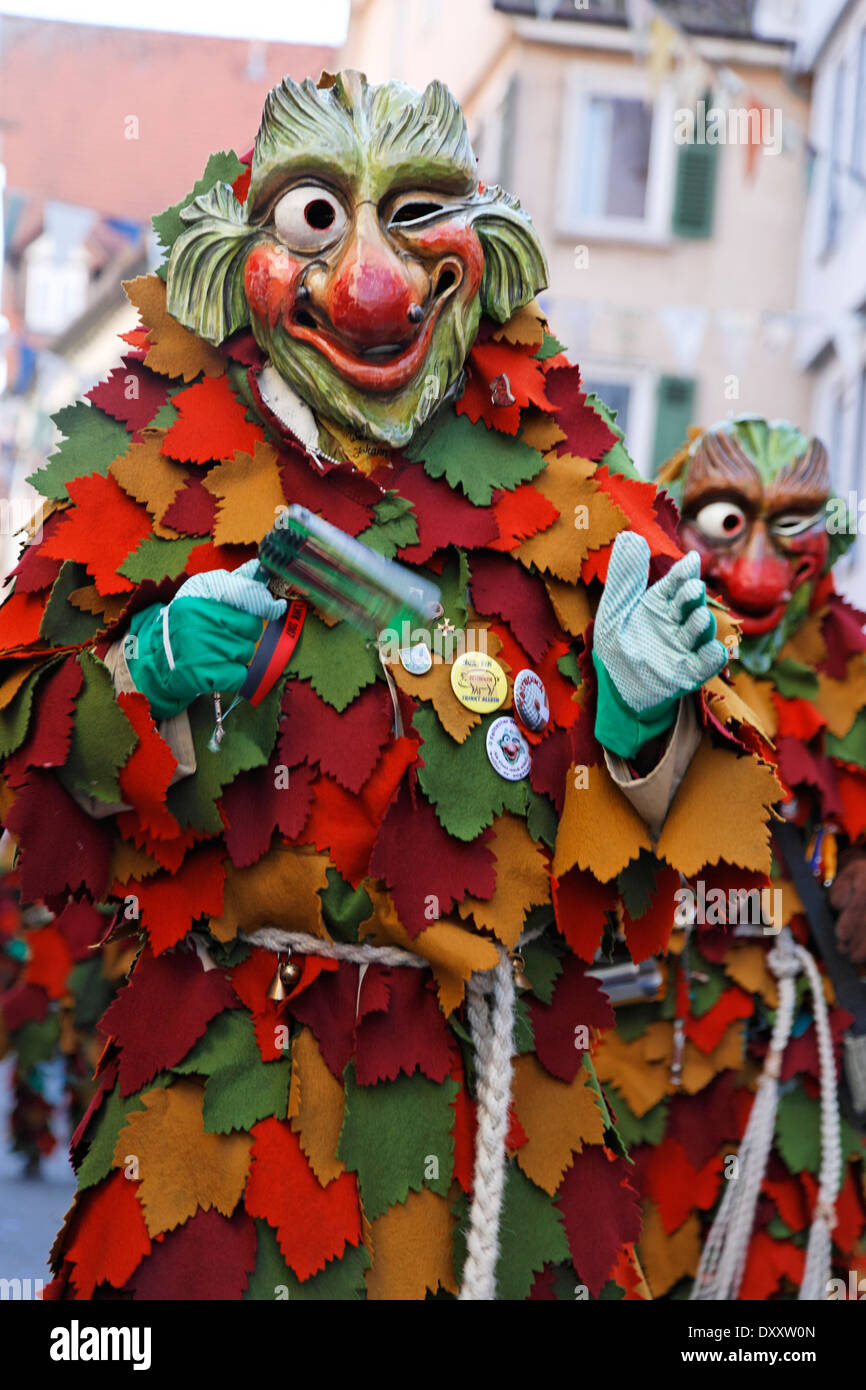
182,1168
526,326
740,792
347,825
790,1200
249,496
588,518
147,774
676,1185
707,1031
699,1068
635,498
767,1263
540,431
174,350
152,479
314,1224
639,1070
521,514
564,708
110,1238
208,556
103,527
411,1249
841,701
169,904
316,1105
599,829
212,424
522,882
558,1118
797,718
50,962
667,1259
20,619
849,1214
490,360
281,889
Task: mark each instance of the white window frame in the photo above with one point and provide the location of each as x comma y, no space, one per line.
655,226
642,383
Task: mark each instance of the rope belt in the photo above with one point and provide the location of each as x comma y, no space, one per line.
723,1260
490,1008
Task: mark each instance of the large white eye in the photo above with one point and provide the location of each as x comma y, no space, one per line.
794,523
416,209
721,521
309,217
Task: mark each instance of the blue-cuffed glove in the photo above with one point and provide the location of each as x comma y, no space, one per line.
651,645
203,640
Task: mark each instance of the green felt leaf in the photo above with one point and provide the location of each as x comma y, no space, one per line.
341,1281
705,994
335,660
531,1236
168,413
542,821
91,990
344,908
612,1292
636,883
457,778
550,347
36,1042
567,666
524,1036
241,1089
851,748
646,1129
543,967
798,1132
62,624
104,1128
156,559
92,444
102,736
15,718
222,167
395,526
453,583
617,459
249,738
476,459
397,1137
632,1020
795,681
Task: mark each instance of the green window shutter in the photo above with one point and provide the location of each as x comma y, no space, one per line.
695,192
675,397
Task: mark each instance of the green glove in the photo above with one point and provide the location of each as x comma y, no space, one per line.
204,640
651,645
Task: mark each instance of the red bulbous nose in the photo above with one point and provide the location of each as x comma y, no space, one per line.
372,290
757,578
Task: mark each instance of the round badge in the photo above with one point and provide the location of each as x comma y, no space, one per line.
530,701
416,660
478,682
507,749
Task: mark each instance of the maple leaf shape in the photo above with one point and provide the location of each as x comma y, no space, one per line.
20,620
251,980
676,1185
100,530
345,745
601,1213
502,589
107,1236
131,394
62,848
47,743
210,1257
586,434
192,511
443,515
347,825
162,1013
578,1001
649,933
412,1035
170,903
259,802
342,496
521,514
313,1223
212,424
491,360
146,776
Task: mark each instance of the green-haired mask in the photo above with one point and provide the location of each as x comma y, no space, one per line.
364,255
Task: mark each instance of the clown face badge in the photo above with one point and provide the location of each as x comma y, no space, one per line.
364,255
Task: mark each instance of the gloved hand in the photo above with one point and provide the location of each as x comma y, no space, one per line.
651,645
203,640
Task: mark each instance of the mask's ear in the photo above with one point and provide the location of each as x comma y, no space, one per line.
515,268
205,282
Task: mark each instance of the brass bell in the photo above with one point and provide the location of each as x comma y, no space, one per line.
521,979
287,975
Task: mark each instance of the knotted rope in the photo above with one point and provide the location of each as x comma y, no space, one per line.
723,1261
490,1008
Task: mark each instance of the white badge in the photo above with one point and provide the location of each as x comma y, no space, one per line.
507,749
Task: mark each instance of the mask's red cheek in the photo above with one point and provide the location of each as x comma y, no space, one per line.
270,282
460,240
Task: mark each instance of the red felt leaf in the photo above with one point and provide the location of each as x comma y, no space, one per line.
147,774
521,514
637,499
170,903
50,961
108,1236
581,903
61,847
851,786
601,1213
105,1084
253,806
212,424
82,927
412,1034
313,1224
790,1200
251,981
797,718
329,1008
675,1185
346,746
192,510
347,825
103,527
843,632
463,1130
131,393
502,589
162,1013
850,1218
578,1001
242,346
526,378
136,337
444,516
564,710
767,1263
411,836
35,570
650,933
551,759
23,1003
208,556
210,1257
798,764
47,742
342,496
702,1123
20,619
544,1286
586,434
707,1032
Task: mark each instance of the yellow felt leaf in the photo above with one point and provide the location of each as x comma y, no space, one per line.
130,862
571,605
558,1118
90,600
587,519
152,479
758,696
747,967
249,496
522,881
599,829
641,1079
316,1104
726,704
411,1249
174,351
721,811
281,890
12,683
807,644
526,326
181,1167
667,1259
453,951
699,1068
540,431
841,701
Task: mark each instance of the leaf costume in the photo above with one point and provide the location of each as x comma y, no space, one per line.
313,1135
